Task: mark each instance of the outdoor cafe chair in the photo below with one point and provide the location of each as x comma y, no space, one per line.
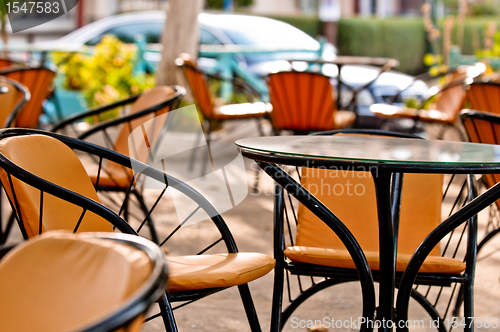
214,114
484,127
38,80
484,95
13,97
304,102
443,105
49,189
60,282
307,250
134,111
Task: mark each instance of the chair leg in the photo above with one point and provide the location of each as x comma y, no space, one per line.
207,153
154,235
468,306
167,314
193,153
259,127
246,298
277,304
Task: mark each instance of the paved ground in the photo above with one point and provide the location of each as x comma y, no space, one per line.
251,224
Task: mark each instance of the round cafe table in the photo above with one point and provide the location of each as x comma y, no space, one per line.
387,159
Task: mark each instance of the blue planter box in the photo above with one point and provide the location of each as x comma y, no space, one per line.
63,104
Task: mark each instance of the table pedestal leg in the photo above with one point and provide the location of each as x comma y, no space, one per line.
382,180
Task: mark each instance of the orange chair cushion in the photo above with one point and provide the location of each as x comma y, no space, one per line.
61,282
242,111
351,197
343,119
55,162
430,115
218,270
342,259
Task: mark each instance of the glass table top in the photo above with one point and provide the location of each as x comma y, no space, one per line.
375,149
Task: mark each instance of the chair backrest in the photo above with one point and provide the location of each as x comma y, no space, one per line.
61,282
156,96
4,63
39,83
12,101
482,127
198,83
302,101
50,159
351,197
451,99
484,96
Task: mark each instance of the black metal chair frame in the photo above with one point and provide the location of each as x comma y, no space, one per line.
363,274
143,298
87,204
121,120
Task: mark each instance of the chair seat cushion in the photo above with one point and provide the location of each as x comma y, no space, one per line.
342,259
242,111
430,115
343,119
219,270
62,282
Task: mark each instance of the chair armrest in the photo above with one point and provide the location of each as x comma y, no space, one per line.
93,112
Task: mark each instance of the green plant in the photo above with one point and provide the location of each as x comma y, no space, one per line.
105,76
3,20
219,4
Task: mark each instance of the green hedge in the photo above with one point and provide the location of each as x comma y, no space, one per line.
309,24
399,38
402,38
473,32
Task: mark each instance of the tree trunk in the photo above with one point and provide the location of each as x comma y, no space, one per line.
181,34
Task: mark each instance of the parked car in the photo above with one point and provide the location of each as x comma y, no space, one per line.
234,29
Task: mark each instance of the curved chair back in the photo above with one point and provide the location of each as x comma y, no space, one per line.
483,127
198,83
40,155
163,96
12,100
351,196
484,96
451,99
61,282
39,83
302,101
